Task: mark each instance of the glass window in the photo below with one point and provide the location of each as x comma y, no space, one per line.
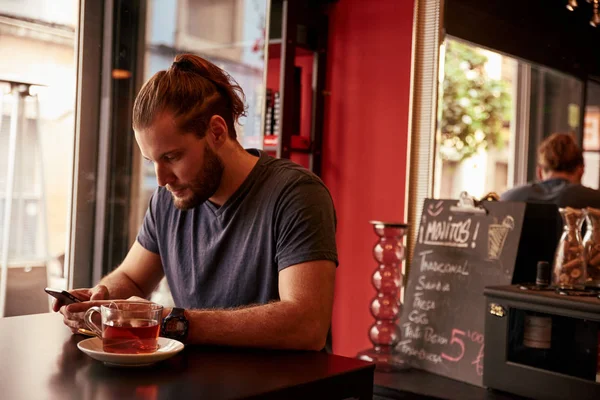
475,117
228,33
555,106
493,113
591,136
37,102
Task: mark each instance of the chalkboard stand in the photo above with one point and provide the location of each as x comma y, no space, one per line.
461,247
468,204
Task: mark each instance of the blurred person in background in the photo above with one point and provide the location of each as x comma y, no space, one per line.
559,170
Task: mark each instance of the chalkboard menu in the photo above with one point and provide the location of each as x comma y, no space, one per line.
458,252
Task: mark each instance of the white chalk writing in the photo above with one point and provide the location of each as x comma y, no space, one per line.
421,354
434,338
428,334
437,286
448,233
418,317
442,267
412,332
421,304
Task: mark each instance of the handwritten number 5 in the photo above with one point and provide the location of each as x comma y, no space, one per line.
456,339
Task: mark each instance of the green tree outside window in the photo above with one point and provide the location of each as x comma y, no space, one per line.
474,106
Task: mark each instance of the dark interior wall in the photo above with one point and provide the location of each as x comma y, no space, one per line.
539,31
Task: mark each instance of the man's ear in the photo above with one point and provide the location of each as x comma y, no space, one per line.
217,132
539,173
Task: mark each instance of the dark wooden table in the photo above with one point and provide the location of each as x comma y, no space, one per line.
39,359
417,384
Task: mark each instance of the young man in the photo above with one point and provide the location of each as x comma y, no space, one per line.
246,241
559,171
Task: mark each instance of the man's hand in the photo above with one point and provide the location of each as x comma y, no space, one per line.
138,299
73,313
99,292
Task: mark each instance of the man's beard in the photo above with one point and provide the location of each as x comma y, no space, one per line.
205,184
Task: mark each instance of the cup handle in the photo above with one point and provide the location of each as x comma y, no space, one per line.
88,321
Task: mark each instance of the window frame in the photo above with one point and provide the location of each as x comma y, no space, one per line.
80,245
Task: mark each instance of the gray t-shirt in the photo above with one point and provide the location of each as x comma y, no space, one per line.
555,191
229,256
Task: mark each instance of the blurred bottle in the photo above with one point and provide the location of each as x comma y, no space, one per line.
591,244
569,269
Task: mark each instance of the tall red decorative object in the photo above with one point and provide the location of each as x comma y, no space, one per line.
386,306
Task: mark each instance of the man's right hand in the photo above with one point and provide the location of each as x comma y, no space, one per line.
99,292
89,298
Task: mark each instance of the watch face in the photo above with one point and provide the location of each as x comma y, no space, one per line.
175,325
175,328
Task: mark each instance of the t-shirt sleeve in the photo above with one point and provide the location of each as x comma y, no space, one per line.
147,234
305,225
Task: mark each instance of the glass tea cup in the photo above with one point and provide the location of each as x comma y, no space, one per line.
128,327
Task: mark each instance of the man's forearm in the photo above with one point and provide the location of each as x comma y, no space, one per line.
120,286
277,325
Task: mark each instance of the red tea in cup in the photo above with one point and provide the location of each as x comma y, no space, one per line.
138,334
127,327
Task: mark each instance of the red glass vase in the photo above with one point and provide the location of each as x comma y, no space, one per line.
387,305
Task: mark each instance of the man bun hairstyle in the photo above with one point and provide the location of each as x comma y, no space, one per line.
560,152
193,90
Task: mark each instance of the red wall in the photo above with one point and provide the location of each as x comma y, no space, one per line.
365,146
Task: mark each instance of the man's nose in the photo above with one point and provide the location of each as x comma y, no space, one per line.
164,175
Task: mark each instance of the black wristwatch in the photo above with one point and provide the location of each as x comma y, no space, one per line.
175,325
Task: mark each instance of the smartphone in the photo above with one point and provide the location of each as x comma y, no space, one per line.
62,295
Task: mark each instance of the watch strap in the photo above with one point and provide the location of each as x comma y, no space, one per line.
177,312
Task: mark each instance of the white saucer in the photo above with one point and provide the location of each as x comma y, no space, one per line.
166,348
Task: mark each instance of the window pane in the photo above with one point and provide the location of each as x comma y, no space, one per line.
481,145
591,136
229,33
36,147
556,101
474,135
